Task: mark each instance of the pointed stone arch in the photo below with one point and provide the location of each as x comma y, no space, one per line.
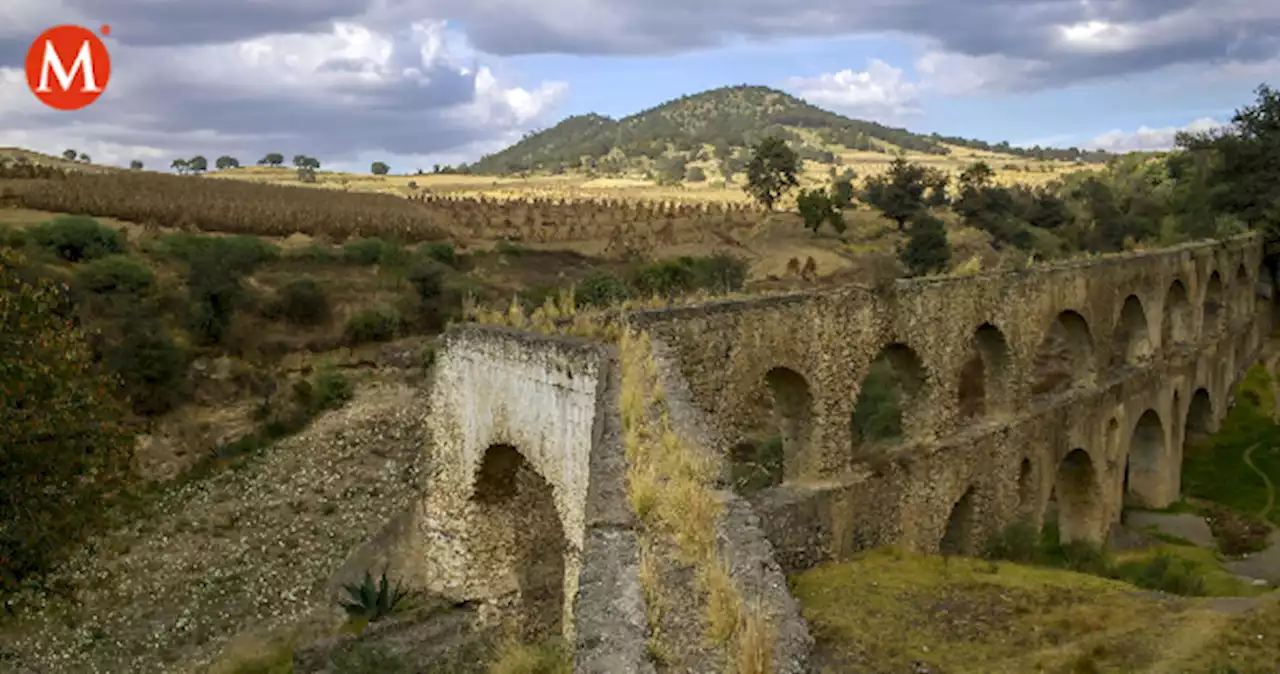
889,397
1065,358
517,542
984,378
958,537
1241,292
1148,469
1079,498
1131,339
1176,326
1028,491
1199,423
1211,312
792,419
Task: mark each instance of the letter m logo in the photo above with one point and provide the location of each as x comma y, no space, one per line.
82,65
68,67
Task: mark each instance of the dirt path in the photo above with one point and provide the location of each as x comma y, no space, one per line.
1265,513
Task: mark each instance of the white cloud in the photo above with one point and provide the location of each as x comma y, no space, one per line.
955,74
881,92
1146,138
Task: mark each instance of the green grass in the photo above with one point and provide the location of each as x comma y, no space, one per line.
1214,469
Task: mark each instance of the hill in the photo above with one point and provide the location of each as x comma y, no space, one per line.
720,124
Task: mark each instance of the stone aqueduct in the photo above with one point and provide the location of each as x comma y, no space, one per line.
1076,383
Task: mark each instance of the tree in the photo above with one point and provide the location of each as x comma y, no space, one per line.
70,155
84,158
197,164
695,175
379,169
179,165
842,191
817,207
771,171
60,428
136,165
226,162
272,159
899,193
927,250
1243,174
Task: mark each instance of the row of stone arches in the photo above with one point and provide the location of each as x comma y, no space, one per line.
1077,500
895,387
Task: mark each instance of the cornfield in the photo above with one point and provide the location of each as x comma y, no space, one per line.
241,207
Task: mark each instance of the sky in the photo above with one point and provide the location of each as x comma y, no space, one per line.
416,83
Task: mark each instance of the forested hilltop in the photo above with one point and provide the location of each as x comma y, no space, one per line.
720,124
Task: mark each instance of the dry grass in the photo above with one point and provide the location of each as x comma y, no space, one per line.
514,657
886,610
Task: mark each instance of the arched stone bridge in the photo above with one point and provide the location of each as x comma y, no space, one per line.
1074,383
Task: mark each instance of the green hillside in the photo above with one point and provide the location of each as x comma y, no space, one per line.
721,123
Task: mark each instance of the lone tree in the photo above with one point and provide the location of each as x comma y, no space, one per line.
927,250
197,164
817,207
136,165
179,165
379,168
771,171
273,159
60,429
227,162
898,193
70,155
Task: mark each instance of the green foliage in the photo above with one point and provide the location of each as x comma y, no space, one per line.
373,600
379,168
304,302
328,390
378,324
601,289
695,174
719,273
114,274
60,431
440,251
428,280
226,162
771,171
216,268
151,365
898,193
927,250
842,191
816,208
877,414
758,465
76,238
369,658
365,251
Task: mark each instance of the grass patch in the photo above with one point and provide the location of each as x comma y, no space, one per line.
886,610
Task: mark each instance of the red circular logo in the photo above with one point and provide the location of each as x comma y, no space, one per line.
68,67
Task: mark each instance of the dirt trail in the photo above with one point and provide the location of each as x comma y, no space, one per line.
1265,513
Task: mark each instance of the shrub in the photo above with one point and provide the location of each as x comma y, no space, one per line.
364,251
719,273
60,431
243,253
379,324
115,274
600,289
151,365
1166,573
77,237
329,390
1017,542
695,175
440,251
303,302
373,601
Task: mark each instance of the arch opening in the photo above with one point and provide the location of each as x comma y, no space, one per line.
519,544
1026,489
1199,418
1131,340
764,457
1065,359
1079,499
958,537
1242,293
1212,305
1147,471
890,391
983,385
1176,326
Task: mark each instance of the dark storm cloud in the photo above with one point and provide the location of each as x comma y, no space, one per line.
179,22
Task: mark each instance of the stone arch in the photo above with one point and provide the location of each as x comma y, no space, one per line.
1027,491
1199,423
1066,356
958,537
1146,468
889,396
518,544
772,453
1131,339
984,378
1212,304
1079,498
1177,324
1242,292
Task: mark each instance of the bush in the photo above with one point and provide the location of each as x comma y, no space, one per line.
599,289
1017,542
329,390
76,238
440,251
303,302
927,250
115,274
373,325
695,175
152,367
1166,573
217,266
244,253
365,251
60,431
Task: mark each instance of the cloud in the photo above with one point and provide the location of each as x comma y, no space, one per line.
1146,138
879,93
415,89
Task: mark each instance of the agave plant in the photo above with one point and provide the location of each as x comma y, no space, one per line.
373,601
